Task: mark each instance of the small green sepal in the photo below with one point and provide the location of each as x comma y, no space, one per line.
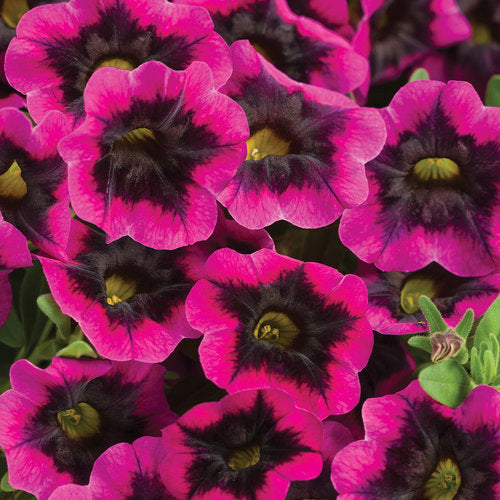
421,343
77,349
465,326
419,74
433,316
493,92
4,483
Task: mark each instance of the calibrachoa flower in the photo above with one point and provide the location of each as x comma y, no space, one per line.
393,305
123,471
273,321
475,60
306,151
57,421
416,448
33,178
155,149
249,445
58,47
297,46
434,188
335,437
14,253
395,33
128,299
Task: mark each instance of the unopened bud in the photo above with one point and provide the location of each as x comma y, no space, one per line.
445,345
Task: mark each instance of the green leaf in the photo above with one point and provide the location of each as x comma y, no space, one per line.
476,369
462,356
493,91
50,307
32,318
421,342
4,483
490,323
419,74
489,368
433,316
12,333
495,349
77,349
447,382
464,327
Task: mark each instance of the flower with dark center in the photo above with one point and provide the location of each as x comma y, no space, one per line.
56,422
396,33
130,471
434,188
248,446
393,297
306,152
475,60
128,299
58,47
273,321
156,147
418,449
297,46
33,178
14,253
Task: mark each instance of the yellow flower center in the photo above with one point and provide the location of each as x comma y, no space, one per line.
412,290
444,481
116,62
82,421
12,184
244,458
266,142
13,10
436,169
277,328
119,289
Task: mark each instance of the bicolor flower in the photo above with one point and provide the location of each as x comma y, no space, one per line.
128,299
394,34
57,421
335,437
475,60
393,297
249,445
33,178
123,471
14,253
58,47
297,46
306,152
416,448
434,188
273,321
334,15
156,147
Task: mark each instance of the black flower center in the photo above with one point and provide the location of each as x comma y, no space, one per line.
278,328
79,422
244,457
12,185
444,481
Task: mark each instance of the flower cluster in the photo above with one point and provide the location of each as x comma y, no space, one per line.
219,221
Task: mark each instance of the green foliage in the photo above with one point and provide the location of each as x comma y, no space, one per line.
493,91
432,314
77,349
49,306
419,74
447,382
